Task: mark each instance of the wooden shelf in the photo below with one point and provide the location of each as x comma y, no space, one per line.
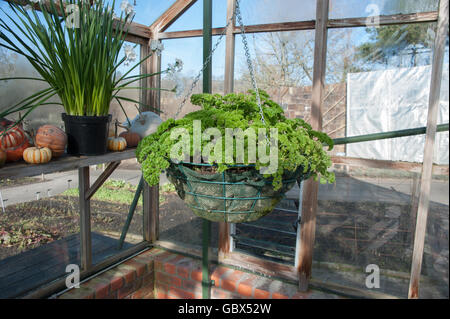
65,163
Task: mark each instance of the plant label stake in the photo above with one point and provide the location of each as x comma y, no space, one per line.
1,200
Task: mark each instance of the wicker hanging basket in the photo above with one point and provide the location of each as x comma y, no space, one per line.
240,194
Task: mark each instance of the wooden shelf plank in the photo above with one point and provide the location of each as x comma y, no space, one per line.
65,163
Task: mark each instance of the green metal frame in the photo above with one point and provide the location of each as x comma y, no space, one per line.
387,135
207,88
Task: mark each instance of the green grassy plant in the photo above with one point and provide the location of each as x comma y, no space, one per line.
79,63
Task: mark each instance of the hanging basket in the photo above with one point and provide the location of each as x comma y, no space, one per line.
240,194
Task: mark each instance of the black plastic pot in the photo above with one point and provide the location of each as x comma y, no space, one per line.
87,135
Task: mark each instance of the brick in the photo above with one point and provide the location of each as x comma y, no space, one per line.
159,266
261,294
245,288
217,293
191,284
231,281
143,293
165,256
145,258
151,295
138,283
100,286
112,295
149,279
196,274
167,279
276,295
170,268
177,259
115,278
188,263
161,290
139,267
183,272
218,273
129,273
181,294
161,287
162,295
79,293
301,295
125,291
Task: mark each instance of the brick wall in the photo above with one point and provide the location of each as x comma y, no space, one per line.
296,102
133,279
164,275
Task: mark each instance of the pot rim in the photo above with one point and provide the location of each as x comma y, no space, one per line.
84,119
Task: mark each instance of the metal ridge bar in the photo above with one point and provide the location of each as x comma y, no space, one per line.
387,135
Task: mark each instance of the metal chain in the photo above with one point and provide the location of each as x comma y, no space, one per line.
249,61
205,65
236,14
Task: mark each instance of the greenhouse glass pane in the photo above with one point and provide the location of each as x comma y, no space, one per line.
39,231
378,80
192,19
147,11
277,11
190,51
340,9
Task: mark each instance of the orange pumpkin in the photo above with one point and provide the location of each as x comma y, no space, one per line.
14,154
2,157
37,155
117,144
132,139
52,137
5,122
11,136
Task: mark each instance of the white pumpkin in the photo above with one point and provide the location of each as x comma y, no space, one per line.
144,124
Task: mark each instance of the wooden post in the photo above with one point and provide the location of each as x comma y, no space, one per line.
224,228
150,195
311,187
85,218
427,168
230,49
171,15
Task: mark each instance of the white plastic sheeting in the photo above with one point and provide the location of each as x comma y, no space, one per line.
390,100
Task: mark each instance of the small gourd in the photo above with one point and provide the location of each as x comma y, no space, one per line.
117,143
37,155
132,138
